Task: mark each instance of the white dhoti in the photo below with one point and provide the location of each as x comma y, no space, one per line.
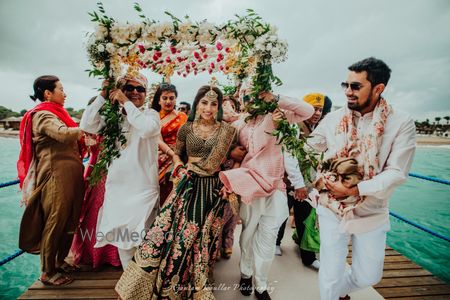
260,223
335,280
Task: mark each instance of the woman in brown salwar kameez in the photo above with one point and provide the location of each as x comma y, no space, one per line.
50,170
174,259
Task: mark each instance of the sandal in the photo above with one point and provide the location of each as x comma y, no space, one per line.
67,268
58,279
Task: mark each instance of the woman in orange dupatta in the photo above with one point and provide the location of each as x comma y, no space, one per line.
164,102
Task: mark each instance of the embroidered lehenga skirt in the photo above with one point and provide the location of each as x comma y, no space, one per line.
174,259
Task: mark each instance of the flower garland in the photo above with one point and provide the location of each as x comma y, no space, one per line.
245,47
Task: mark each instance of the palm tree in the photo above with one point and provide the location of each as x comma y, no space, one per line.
437,119
447,118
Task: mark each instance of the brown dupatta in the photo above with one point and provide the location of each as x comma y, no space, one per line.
209,165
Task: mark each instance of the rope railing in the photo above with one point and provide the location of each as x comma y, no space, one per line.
443,181
19,252
10,257
8,183
419,226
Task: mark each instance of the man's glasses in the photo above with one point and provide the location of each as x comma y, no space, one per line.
354,86
130,88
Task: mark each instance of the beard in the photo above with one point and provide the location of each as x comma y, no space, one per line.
360,106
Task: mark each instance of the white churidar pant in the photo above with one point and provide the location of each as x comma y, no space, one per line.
260,223
335,279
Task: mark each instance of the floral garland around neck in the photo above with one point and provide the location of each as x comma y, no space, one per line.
242,48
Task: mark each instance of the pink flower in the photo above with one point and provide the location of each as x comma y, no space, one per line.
212,65
141,48
205,56
210,71
196,55
193,64
173,49
219,46
219,57
227,50
168,60
203,49
221,67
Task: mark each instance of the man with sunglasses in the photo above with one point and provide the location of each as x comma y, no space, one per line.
184,107
382,140
131,188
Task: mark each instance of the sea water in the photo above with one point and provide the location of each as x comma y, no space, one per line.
424,202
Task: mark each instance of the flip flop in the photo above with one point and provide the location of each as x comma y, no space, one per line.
53,281
66,268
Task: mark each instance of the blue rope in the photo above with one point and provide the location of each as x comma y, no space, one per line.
430,178
18,252
419,226
8,183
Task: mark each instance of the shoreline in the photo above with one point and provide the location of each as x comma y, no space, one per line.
422,140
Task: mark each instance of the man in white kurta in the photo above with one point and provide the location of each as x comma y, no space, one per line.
131,188
372,125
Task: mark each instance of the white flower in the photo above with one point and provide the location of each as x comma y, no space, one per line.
110,48
275,52
101,33
100,48
269,47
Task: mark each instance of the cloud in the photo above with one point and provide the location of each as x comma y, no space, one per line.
325,37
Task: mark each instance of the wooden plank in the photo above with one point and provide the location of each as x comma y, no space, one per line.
69,294
389,259
406,273
408,281
387,252
78,284
401,265
97,275
400,258
441,289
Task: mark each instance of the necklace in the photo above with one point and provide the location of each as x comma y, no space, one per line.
205,131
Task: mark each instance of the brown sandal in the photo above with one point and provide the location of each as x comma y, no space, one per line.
67,268
58,279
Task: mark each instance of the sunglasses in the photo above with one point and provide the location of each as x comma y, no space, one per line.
130,88
354,86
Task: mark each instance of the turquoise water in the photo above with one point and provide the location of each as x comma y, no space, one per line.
423,202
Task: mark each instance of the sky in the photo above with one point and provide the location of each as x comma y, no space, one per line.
324,37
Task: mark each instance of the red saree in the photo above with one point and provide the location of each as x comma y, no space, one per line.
170,124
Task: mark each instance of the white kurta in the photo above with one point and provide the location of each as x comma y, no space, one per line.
132,188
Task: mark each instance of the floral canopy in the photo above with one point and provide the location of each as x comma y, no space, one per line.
242,48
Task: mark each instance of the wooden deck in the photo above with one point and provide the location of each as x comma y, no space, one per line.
402,279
